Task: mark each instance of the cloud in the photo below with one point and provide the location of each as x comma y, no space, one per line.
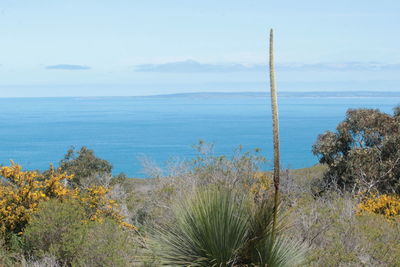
191,66
344,66
67,67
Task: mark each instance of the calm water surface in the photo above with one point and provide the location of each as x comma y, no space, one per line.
37,131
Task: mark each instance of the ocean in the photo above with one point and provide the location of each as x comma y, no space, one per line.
35,132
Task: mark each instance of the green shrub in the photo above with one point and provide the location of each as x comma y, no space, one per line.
7,257
106,244
60,230
57,229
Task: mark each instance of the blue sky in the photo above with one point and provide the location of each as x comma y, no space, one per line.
90,48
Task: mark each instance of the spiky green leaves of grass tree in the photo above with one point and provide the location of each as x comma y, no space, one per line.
218,227
210,229
263,248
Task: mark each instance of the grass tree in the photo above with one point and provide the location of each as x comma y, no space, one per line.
217,225
220,227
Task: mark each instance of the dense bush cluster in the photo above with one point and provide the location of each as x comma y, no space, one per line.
23,191
43,216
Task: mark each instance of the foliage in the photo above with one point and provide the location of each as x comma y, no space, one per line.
261,185
7,256
208,232
217,227
56,229
264,247
60,229
387,205
81,226
337,236
208,168
21,192
364,153
85,166
241,172
107,244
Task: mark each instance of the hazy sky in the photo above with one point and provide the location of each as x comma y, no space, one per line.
104,47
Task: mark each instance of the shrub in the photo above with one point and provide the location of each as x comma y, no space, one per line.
107,244
364,153
8,257
337,236
208,168
57,229
22,191
61,230
387,205
240,172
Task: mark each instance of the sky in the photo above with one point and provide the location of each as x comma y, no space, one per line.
131,47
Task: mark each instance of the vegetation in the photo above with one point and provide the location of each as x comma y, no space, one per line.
363,155
21,193
218,227
386,205
275,127
86,168
41,215
337,235
213,210
57,229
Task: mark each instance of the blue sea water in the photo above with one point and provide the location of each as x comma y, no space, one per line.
35,132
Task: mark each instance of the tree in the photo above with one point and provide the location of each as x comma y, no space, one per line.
85,166
363,155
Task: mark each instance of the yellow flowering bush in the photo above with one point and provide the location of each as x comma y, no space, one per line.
22,191
261,185
98,206
387,205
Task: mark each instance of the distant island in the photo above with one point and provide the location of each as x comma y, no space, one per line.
345,94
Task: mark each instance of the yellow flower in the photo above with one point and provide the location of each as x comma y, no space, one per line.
22,192
386,205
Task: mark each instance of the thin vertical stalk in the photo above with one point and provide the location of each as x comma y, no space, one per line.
275,129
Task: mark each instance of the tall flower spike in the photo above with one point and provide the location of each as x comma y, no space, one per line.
275,128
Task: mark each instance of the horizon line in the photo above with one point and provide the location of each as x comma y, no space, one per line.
355,93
